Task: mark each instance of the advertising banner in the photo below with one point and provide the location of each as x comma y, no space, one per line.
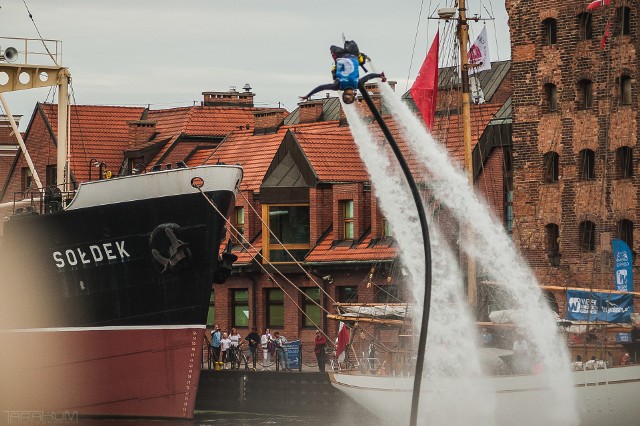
585,306
623,267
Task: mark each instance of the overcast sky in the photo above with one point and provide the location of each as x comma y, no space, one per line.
166,53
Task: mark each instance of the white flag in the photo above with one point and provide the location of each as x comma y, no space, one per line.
479,53
477,95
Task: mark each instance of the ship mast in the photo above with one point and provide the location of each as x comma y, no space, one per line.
22,76
463,35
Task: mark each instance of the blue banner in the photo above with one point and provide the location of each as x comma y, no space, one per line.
583,306
623,267
293,353
623,338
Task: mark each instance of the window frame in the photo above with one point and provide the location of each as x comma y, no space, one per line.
238,303
270,304
625,232
268,247
551,161
624,160
625,89
348,220
587,164
552,234
342,291
585,26
27,181
550,32
239,219
551,95
623,19
587,235
585,92
308,305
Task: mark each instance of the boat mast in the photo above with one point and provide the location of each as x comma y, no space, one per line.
463,35
63,157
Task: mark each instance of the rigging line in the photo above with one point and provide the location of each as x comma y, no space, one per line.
39,35
493,21
286,250
234,235
79,127
413,50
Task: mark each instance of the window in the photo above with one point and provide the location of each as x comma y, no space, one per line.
275,307
211,314
624,158
508,211
386,228
239,219
552,233
27,179
585,26
625,231
585,94
623,19
290,224
136,165
240,307
387,294
551,162
313,313
347,219
551,94
588,235
587,164
625,90
549,31
347,294
52,175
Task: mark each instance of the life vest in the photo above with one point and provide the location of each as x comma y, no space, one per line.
347,72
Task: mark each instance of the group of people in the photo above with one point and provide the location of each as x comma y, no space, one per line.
226,346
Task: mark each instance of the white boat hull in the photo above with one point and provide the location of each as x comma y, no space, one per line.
604,396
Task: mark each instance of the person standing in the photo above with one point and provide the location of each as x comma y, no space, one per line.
264,342
280,342
320,342
254,339
234,349
521,355
216,336
225,344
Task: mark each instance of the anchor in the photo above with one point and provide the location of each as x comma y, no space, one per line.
179,253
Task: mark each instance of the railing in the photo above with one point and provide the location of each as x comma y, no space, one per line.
31,50
44,201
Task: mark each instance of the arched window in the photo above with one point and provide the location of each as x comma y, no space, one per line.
588,235
585,28
585,94
552,232
587,164
551,95
625,232
551,162
625,90
623,20
549,28
624,159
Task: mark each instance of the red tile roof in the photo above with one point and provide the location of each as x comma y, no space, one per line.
99,132
366,251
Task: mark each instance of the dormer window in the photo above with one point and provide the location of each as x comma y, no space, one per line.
549,31
239,219
347,219
289,236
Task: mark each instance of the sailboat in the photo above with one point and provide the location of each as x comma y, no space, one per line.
105,287
604,393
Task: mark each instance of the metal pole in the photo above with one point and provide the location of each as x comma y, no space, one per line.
422,341
62,172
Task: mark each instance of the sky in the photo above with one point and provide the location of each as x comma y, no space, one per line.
166,53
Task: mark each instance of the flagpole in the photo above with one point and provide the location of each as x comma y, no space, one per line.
463,35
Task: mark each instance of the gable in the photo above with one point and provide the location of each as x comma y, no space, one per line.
289,176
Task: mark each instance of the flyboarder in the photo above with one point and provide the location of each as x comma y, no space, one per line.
345,71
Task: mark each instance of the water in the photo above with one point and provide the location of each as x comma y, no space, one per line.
448,345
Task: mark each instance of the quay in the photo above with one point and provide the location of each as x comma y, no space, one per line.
284,392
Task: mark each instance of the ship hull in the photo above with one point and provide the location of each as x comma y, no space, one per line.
127,259
102,371
604,396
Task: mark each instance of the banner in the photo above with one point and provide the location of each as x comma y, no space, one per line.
623,265
585,306
424,90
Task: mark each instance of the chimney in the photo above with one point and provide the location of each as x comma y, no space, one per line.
311,111
140,131
268,120
230,98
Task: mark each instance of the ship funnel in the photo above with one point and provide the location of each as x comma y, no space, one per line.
10,54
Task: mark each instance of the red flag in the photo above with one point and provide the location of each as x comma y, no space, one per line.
343,339
607,33
425,89
598,3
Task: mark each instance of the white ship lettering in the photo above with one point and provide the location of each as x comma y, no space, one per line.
93,254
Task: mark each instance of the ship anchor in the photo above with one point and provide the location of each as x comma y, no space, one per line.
179,252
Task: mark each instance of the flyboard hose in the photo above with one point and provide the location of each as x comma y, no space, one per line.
422,342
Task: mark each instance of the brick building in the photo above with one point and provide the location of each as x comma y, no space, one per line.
575,135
